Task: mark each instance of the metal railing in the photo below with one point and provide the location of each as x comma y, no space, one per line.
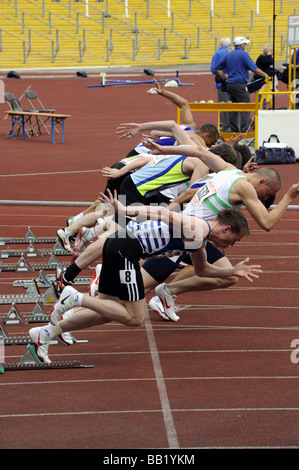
170,14
24,42
213,14
133,26
253,14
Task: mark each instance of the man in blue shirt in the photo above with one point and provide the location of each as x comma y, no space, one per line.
238,64
221,87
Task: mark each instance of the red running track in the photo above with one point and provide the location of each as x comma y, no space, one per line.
221,378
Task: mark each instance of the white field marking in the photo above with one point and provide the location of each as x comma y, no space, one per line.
115,412
171,433
167,379
51,173
132,353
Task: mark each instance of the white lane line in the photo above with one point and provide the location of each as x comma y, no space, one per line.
176,410
172,437
50,173
168,379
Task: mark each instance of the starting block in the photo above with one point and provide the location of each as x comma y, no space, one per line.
32,296
30,361
29,237
110,82
23,266
47,281
13,317
32,252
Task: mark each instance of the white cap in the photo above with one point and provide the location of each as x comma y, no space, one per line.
240,40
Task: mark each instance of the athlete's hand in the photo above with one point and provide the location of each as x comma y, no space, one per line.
293,191
113,202
154,148
243,270
234,140
250,166
128,130
110,172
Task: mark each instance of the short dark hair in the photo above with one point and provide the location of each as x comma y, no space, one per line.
209,129
236,219
244,151
227,153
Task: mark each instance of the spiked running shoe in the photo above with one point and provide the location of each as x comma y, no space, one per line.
61,282
41,344
81,239
64,240
63,304
94,283
168,301
156,305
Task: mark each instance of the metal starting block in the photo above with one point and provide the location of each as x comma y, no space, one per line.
15,318
32,296
47,280
29,237
23,266
38,315
30,361
33,252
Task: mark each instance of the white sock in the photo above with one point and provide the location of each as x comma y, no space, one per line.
76,299
91,234
46,332
66,232
68,314
78,217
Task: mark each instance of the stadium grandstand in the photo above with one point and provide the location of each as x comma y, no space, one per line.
95,33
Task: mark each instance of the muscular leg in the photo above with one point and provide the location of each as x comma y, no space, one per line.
104,309
196,283
184,273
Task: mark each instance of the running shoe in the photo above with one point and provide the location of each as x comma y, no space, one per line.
63,304
41,344
64,240
168,301
94,283
156,305
61,282
81,239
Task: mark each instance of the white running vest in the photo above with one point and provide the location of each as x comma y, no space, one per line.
214,196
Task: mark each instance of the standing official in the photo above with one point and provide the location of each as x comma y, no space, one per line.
221,85
238,64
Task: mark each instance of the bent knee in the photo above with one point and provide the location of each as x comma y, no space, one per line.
135,320
231,280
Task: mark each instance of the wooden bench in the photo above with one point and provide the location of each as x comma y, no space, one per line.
22,117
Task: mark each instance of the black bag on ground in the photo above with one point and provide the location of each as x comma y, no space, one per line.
274,153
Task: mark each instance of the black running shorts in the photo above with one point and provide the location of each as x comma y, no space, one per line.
120,274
